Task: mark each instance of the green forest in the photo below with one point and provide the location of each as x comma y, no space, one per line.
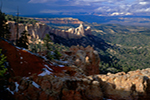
20,19
129,45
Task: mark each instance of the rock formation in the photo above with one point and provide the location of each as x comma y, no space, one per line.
39,30
135,85
59,20
33,78
86,59
36,31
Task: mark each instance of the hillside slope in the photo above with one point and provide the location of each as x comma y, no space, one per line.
60,82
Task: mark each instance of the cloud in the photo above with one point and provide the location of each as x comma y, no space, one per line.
109,7
143,3
106,7
143,10
124,7
38,1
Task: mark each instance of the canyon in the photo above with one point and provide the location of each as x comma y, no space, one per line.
39,30
35,78
59,20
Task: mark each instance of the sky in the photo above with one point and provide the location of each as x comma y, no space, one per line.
100,7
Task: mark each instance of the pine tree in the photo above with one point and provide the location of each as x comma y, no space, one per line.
23,40
3,78
4,29
47,39
57,54
2,67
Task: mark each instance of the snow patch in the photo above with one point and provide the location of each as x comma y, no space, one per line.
18,47
45,72
12,92
44,57
17,85
35,84
48,67
16,89
21,62
61,65
21,57
64,62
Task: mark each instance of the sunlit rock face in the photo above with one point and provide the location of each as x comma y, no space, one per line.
79,31
39,30
135,85
35,78
59,20
87,59
36,31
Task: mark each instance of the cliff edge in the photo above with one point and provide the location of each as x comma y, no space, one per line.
39,30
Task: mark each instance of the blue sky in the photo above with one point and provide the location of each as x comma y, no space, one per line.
101,7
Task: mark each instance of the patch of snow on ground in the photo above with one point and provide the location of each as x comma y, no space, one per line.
17,85
44,57
16,89
12,92
35,84
46,72
48,67
18,47
21,57
64,62
21,62
61,65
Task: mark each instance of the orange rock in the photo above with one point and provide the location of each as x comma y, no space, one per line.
45,85
85,58
43,96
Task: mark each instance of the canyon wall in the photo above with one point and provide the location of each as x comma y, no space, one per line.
35,78
39,30
59,20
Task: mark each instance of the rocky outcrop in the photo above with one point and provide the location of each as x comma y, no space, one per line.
57,88
118,86
35,78
86,59
59,20
36,31
135,85
39,30
79,31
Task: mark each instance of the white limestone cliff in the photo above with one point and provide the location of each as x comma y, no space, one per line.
39,31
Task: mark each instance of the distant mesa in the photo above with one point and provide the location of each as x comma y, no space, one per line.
39,30
59,20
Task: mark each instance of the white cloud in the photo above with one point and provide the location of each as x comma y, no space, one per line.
143,10
143,3
114,7
37,1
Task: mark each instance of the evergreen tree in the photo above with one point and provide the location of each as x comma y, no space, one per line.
47,39
2,67
57,54
3,78
23,40
4,29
